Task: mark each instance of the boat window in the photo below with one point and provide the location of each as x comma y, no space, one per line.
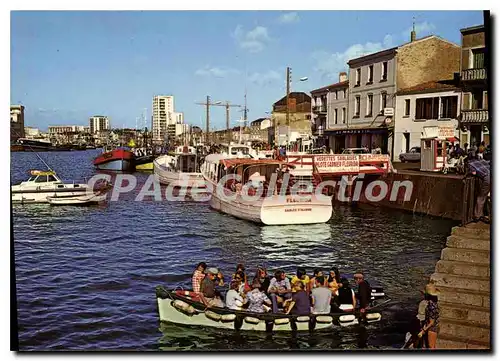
76,186
60,186
52,178
243,150
41,179
31,179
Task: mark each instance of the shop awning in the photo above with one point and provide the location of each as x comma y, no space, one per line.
358,131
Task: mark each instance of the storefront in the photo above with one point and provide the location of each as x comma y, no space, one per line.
370,138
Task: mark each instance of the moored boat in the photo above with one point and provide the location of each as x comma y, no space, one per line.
180,307
43,184
118,159
80,200
181,169
263,194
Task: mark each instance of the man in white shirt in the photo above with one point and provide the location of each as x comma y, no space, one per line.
234,300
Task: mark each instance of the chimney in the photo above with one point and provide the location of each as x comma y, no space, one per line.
413,35
342,77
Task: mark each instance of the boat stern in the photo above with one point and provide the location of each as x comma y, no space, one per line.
296,209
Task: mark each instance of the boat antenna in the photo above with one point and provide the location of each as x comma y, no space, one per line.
36,153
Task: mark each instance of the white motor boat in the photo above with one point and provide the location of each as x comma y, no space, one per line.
180,169
44,184
80,200
262,194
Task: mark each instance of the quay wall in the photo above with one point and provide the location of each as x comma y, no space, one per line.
432,195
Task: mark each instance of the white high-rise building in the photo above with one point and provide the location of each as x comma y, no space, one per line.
98,123
164,115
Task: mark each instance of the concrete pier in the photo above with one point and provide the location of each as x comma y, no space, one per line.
462,276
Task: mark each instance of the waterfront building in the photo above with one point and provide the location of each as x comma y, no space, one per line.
475,118
431,104
164,115
16,122
98,123
330,106
31,132
374,80
299,109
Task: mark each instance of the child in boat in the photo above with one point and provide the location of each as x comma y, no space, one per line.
334,280
301,276
234,300
257,298
198,276
263,278
243,286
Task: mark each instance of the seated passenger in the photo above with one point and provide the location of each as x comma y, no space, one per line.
301,276
346,296
334,280
312,282
300,299
208,292
198,276
279,289
256,298
243,286
234,300
263,278
321,297
240,268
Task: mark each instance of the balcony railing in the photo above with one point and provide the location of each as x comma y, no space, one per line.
475,116
474,74
319,109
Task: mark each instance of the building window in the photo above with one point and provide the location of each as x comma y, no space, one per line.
369,105
407,107
335,95
427,108
357,106
477,100
336,115
370,74
343,115
384,70
383,101
478,58
345,93
449,107
358,77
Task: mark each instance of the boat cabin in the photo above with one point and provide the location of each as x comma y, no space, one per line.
236,150
43,177
185,160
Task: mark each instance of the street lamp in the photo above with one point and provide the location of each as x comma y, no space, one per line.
304,78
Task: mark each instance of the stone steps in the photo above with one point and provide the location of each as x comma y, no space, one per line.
464,330
473,231
458,343
466,255
464,297
454,241
459,282
464,269
473,314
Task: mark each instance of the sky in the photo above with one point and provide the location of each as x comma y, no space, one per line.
69,65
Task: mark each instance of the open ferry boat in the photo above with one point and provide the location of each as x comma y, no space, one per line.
262,194
182,308
181,169
43,184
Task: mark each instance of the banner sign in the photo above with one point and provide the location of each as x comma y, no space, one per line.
374,158
446,132
338,163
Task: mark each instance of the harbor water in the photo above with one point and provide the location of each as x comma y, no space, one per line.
86,276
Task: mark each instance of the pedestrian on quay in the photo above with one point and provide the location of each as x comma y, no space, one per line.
480,168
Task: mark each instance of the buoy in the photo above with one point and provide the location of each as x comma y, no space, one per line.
324,319
252,320
347,318
303,319
212,315
281,321
373,317
228,318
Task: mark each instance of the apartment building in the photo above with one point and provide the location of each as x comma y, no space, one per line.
98,123
164,115
475,118
330,114
374,80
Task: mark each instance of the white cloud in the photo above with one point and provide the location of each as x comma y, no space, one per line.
287,18
215,71
266,78
422,29
254,40
330,65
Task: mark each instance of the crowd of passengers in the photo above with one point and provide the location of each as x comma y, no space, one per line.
300,295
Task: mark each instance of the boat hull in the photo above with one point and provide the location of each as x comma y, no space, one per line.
41,197
175,179
145,166
76,200
115,160
274,210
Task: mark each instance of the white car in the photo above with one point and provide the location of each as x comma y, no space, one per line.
356,151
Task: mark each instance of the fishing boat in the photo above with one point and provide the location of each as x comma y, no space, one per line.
143,160
43,184
117,159
184,308
79,200
263,193
180,169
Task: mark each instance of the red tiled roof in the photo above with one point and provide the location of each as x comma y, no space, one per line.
430,86
336,85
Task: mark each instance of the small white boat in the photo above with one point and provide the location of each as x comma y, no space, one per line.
180,169
259,196
180,308
43,184
68,200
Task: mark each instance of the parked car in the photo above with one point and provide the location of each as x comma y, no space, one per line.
355,151
412,156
